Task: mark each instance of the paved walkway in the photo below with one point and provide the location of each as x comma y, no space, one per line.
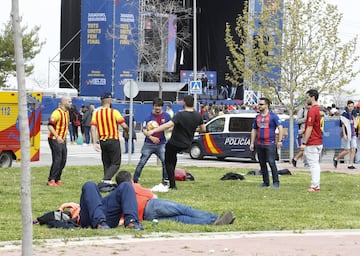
306,243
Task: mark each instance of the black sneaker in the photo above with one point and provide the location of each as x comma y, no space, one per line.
135,225
264,185
102,225
226,219
293,161
276,185
335,162
351,167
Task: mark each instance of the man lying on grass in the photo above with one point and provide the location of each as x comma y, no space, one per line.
150,207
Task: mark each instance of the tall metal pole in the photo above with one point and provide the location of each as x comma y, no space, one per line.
113,52
131,122
195,49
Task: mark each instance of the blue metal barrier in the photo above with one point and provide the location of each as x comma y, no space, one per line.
141,111
331,135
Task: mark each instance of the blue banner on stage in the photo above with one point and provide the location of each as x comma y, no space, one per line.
108,46
126,53
96,47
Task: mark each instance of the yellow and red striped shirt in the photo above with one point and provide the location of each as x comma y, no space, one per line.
60,120
107,121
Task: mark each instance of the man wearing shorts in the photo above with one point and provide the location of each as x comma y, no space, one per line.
348,135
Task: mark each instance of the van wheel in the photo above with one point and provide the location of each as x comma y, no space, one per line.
195,152
5,159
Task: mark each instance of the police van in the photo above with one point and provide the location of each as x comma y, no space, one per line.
226,136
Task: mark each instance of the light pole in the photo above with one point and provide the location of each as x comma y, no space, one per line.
195,49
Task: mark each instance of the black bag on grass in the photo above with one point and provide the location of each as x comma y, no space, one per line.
58,219
232,176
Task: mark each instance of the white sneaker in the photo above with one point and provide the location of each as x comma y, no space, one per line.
108,182
160,188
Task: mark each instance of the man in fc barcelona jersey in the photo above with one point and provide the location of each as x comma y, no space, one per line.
263,140
58,127
105,136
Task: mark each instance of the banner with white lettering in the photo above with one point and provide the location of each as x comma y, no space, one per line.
126,42
96,47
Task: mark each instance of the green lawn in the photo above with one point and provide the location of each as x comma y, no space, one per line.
289,208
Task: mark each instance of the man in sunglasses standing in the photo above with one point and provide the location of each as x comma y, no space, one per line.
263,140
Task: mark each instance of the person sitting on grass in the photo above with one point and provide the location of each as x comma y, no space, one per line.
150,207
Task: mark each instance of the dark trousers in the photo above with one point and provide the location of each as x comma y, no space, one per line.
267,154
120,201
127,145
75,132
59,155
87,134
170,162
111,157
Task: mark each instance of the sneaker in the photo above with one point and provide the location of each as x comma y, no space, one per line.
160,188
293,161
135,225
225,219
351,167
102,225
263,185
276,185
313,189
59,183
52,183
335,162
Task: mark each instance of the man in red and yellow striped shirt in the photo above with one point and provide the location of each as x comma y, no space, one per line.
104,125
58,128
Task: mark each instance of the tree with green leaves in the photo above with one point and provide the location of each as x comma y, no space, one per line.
31,47
289,47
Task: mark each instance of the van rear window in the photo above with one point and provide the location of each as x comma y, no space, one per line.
240,124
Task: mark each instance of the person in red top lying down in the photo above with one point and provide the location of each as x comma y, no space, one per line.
150,207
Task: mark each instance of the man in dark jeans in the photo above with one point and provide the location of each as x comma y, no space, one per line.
184,124
105,213
104,125
154,144
263,133
58,127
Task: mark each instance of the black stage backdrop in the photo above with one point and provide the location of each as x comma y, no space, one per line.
70,43
212,16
